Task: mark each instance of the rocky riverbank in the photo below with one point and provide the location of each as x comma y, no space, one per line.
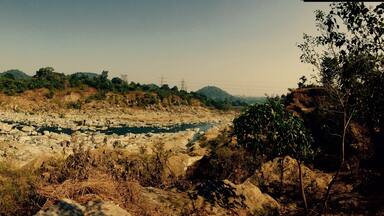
25,136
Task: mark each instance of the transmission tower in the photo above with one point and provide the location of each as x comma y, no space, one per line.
124,77
183,86
162,81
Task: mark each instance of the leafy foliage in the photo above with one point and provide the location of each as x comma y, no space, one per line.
268,129
348,54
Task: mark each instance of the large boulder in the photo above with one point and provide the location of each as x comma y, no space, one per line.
256,202
178,164
245,198
67,207
64,207
268,177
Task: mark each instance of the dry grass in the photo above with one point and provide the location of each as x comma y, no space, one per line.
83,176
18,190
107,175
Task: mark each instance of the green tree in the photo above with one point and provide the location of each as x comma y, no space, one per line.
47,78
347,54
268,129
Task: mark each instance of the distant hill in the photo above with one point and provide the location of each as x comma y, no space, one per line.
215,93
17,74
218,94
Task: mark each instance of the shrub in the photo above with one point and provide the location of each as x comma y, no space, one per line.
270,130
50,94
226,161
74,105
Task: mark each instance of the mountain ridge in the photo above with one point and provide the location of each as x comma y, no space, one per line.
16,74
216,93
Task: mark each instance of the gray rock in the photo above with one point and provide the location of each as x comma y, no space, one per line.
64,207
67,207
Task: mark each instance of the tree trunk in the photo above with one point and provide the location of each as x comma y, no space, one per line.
302,188
345,126
325,204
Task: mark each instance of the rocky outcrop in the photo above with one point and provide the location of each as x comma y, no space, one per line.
269,176
318,110
302,101
66,207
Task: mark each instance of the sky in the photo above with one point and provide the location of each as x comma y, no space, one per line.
246,47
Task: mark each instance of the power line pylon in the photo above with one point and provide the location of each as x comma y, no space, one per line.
162,81
183,86
124,77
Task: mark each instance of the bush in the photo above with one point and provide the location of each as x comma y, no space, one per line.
74,105
100,95
50,94
226,161
268,129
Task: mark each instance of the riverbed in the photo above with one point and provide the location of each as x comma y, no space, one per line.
27,136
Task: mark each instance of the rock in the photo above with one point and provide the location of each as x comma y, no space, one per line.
269,177
64,207
98,138
27,129
162,202
178,164
245,198
5,127
23,139
67,207
302,101
104,208
256,202
46,133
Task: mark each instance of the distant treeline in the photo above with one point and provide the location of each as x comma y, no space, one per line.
14,81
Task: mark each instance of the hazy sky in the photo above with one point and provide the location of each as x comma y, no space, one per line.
247,47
